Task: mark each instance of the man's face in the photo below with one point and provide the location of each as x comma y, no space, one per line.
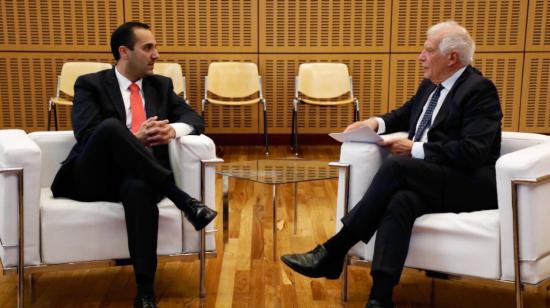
144,54
435,65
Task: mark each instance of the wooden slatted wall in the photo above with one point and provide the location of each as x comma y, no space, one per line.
378,40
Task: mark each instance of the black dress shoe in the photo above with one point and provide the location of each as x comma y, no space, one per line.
145,301
373,303
198,214
315,264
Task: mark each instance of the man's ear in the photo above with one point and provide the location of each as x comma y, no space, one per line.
123,51
453,58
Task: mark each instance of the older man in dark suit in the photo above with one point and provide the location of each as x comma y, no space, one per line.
123,119
447,164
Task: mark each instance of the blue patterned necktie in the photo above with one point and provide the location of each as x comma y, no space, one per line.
427,118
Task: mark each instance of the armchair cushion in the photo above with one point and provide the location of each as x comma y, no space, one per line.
464,243
97,230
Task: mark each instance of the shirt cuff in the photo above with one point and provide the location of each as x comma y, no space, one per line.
418,150
182,129
381,125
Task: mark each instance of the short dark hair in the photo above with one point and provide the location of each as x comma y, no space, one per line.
124,36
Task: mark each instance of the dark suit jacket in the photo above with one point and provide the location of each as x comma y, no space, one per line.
465,135
97,97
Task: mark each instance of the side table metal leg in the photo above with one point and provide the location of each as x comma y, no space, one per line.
274,204
225,201
295,207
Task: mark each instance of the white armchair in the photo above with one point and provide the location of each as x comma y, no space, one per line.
439,241
63,231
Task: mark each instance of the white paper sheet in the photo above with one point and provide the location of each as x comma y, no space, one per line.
363,134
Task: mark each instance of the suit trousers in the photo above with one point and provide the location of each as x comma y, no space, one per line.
115,166
403,189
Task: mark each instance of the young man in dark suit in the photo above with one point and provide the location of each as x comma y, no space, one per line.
123,119
447,163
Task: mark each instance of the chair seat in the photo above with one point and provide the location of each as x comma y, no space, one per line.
73,231
327,103
464,243
233,103
61,101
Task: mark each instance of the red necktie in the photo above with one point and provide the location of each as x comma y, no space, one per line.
136,107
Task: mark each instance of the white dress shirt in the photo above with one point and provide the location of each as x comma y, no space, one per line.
181,129
418,147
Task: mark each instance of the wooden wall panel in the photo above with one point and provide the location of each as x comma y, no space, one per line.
538,26
57,25
369,73
29,80
535,98
219,119
502,68
38,36
495,25
325,26
405,76
222,26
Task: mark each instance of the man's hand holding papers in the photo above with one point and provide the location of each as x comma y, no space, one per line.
361,134
365,131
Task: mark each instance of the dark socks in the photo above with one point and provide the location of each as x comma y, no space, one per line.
176,195
340,243
382,287
144,285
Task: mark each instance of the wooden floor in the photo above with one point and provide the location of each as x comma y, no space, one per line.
244,275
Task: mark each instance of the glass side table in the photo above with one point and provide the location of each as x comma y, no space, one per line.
272,172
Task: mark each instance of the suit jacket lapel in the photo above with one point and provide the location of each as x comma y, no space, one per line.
444,110
114,93
149,95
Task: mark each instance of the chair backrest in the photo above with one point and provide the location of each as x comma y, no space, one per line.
233,79
54,147
72,70
323,80
174,72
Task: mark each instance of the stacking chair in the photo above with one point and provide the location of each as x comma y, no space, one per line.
235,84
65,84
321,84
174,72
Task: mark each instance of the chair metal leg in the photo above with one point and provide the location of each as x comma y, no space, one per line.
266,141
517,266
344,278
31,287
20,234
49,117
295,117
202,241
54,108
292,131
202,264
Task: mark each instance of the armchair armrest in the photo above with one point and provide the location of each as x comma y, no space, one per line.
186,156
533,212
364,160
17,150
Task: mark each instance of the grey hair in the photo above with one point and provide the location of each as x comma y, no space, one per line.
455,37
